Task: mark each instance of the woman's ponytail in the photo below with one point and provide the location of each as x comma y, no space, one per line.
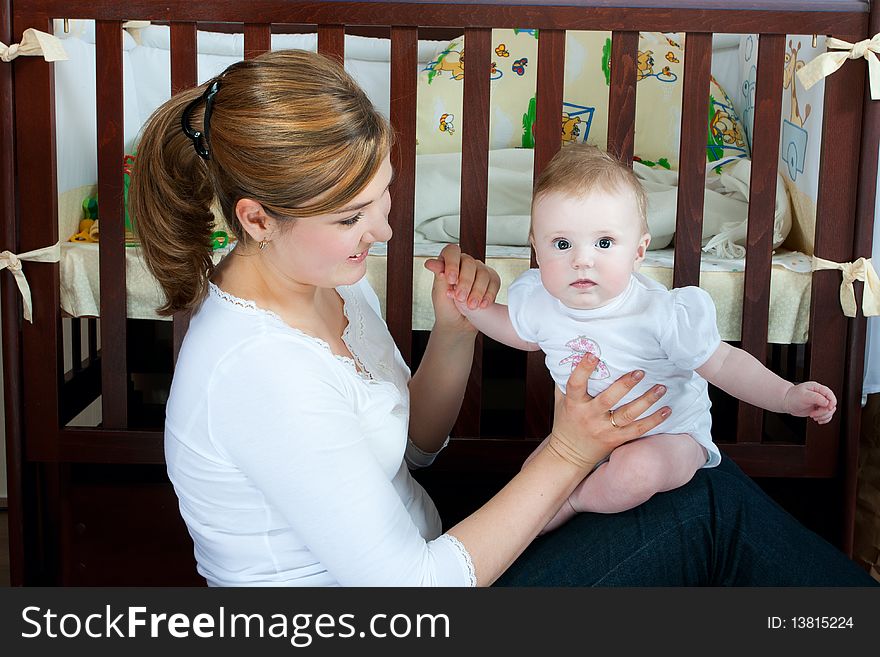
170,199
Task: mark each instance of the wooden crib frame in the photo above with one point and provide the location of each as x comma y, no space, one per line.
91,505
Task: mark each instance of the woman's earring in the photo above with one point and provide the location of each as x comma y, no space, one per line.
263,244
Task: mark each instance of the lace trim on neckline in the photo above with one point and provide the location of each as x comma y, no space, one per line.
354,363
357,363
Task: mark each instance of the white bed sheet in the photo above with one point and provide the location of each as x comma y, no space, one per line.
723,280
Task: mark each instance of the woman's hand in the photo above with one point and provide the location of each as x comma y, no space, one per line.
460,278
584,429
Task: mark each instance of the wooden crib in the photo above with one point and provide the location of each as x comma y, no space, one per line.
91,506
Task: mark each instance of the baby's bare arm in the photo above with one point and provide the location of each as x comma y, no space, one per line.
494,321
740,374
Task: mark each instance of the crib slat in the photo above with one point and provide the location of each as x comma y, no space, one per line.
762,204
474,191
835,212
184,66
184,74
76,343
331,41
692,159
622,96
399,275
109,107
475,143
549,93
257,39
92,338
549,89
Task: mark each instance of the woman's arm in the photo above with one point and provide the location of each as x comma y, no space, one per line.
497,533
437,388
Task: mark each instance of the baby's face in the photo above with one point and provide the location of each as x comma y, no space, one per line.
587,247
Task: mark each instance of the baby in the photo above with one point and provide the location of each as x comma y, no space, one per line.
589,231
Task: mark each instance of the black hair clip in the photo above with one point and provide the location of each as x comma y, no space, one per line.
199,139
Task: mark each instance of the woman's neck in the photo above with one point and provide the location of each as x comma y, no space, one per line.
314,310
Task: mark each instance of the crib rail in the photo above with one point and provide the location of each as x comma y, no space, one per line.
329,21
789,16
38,399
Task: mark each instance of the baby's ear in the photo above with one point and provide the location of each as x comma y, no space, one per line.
642,248
534,248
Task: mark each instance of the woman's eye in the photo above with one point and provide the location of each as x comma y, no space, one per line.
604,243
561,244
351,221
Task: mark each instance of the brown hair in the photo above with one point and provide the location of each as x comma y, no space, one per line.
579,169
289,129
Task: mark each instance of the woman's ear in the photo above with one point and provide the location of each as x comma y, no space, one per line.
254,220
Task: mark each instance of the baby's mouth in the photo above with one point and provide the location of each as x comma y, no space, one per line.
583,284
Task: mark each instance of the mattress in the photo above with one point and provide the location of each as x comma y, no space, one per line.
790,285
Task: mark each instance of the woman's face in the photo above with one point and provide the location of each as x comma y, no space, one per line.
331,249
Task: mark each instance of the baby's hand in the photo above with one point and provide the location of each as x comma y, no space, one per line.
465,307
812,400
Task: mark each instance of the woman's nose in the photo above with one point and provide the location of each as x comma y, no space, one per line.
380,231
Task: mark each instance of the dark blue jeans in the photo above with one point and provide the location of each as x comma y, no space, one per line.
720,529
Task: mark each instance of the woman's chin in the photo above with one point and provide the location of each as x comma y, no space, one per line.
354,273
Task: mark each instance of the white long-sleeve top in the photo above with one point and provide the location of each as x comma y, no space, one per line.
291,465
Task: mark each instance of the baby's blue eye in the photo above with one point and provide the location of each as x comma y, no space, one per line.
562,244
604,243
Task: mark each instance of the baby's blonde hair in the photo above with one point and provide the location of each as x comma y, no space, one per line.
579,169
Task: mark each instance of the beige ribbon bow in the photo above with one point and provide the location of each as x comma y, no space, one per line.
13,262
828,62
860,270
135,25
35,43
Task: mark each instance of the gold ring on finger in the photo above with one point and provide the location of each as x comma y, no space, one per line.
611,417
